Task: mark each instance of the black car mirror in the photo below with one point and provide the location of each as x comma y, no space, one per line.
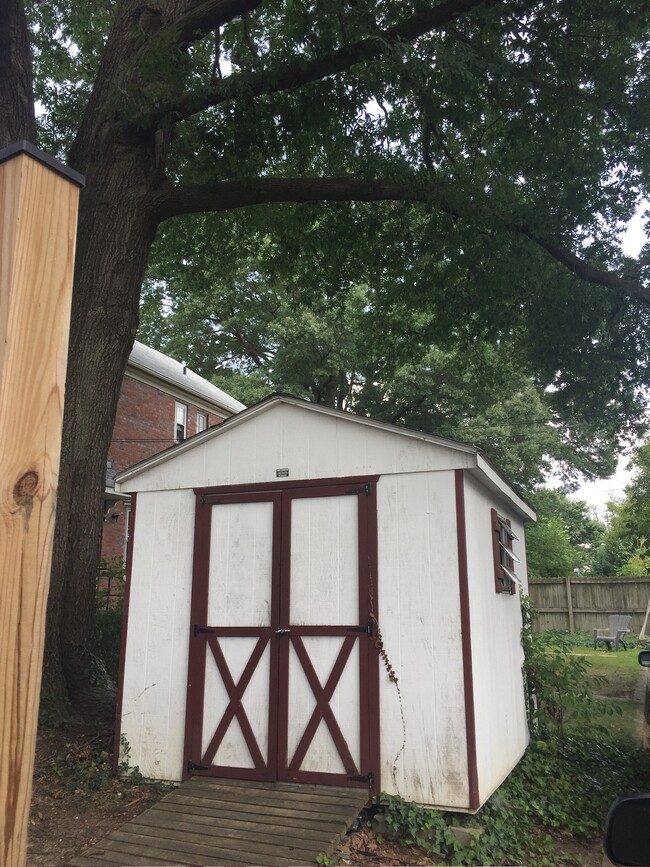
627,832
644,658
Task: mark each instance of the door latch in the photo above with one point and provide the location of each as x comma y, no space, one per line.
282,631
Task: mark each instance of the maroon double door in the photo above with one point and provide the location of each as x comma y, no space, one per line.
283,670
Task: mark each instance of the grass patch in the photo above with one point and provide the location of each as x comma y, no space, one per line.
612,674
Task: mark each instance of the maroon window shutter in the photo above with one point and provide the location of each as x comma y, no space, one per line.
496,553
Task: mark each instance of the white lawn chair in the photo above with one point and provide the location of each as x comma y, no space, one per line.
619,626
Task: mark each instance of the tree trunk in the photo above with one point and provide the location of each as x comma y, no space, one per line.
123,166
116,230
16,98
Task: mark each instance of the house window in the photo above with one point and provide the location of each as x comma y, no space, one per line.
180,428
505,578
201,421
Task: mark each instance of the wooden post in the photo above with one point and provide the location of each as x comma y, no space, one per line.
38,219
569,604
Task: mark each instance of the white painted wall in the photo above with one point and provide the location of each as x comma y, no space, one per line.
420,622
310,444
155,677
497,656
419,609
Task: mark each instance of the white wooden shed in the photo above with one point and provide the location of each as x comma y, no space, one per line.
282,565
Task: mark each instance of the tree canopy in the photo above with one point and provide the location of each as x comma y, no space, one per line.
565,537
269,314
626,545
506,143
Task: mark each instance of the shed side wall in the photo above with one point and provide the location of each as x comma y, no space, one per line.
419,610
497,656
155,675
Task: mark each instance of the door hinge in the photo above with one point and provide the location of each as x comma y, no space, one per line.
365,630
192,767
368,778
364,489
201,630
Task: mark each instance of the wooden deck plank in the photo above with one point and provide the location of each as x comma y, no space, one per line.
340,791
296,823
105,856
263,835
89,861
232,827
234,824
258,849
126,853
211,853
323,815
274,791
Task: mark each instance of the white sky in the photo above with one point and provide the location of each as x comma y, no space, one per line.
598,493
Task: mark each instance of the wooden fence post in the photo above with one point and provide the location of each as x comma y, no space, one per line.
38,219
569,603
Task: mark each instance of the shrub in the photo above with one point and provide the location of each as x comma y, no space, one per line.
109,609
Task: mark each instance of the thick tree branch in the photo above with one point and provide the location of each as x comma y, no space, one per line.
16,95
586,271
205,18
229,195
294,74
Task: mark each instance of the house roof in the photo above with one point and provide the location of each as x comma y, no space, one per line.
489,475
154,367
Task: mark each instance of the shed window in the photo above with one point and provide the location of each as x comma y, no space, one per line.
180,426
505,577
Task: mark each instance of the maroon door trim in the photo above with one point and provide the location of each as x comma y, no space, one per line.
205,639
235,708
466,642
284,485
323,711
125,627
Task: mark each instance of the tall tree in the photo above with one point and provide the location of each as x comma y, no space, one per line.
276,321
518,128
626,545
564,538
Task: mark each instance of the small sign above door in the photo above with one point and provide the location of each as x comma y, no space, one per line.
282,473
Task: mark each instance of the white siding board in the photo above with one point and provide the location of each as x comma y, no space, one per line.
240,582
497,656
418,601
420,621
324,561
155,677
311,445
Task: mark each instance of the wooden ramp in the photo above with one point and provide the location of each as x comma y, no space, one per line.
232,822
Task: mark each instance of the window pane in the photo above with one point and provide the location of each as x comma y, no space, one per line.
511,575
510,553
181,422
507,528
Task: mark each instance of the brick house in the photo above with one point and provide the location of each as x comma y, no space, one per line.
161,403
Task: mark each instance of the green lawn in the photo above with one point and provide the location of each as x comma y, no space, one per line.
615,677
621,671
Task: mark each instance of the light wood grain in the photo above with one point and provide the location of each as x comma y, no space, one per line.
38,209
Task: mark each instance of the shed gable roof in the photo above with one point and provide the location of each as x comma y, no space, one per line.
469,455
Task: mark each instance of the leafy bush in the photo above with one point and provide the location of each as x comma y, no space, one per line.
561,786
109,609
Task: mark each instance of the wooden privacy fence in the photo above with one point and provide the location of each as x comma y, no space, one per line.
578,603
